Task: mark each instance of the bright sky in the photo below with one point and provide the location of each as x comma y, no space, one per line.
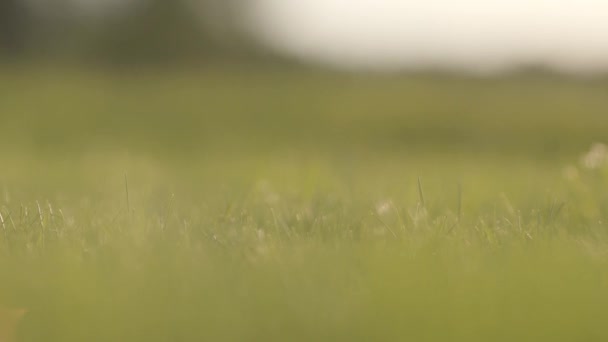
477,35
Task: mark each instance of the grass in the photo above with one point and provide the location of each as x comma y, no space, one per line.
239,204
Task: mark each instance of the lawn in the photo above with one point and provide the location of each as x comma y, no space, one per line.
265,204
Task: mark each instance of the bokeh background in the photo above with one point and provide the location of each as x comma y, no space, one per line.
185,75
232,170
472,35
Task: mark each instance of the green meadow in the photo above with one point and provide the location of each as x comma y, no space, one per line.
233,203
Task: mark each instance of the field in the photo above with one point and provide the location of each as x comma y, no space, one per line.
267,204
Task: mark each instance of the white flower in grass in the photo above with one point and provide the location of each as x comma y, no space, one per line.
596,157
383,207
261,234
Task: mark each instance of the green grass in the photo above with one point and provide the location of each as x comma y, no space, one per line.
263,205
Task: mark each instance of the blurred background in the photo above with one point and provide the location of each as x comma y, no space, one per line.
471,35
500,76
229,170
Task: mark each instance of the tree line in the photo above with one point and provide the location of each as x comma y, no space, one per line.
137,30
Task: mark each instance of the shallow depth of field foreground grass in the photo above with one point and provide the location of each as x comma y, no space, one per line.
285,206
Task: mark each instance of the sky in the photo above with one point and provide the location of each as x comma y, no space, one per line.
482,36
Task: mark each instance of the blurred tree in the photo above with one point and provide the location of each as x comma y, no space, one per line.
13,26
124,31
163,31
